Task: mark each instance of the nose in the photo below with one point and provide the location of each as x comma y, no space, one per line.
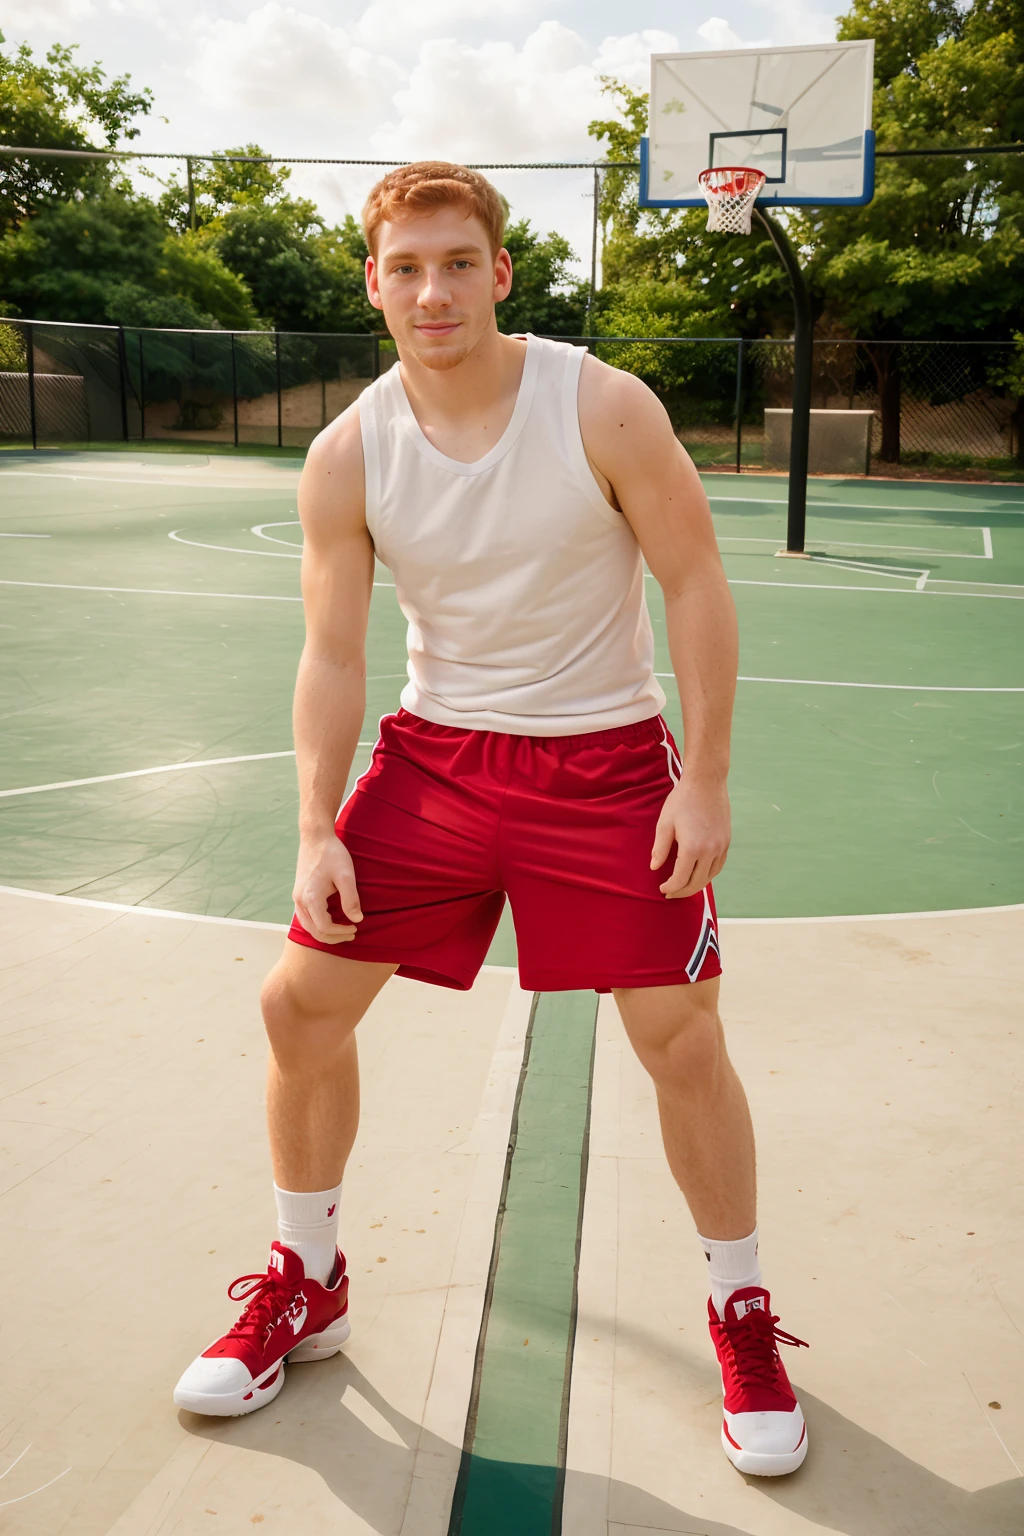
434,291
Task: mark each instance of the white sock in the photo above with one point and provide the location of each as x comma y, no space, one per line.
308,1224
733,1266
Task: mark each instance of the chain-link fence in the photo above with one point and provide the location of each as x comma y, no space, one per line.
932,405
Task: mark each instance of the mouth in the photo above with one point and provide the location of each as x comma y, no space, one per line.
438,327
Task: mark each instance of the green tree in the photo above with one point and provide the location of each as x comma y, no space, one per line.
109,258
546,296
60,104
223,184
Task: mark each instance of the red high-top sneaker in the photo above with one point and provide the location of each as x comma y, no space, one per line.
763,1431
287,1317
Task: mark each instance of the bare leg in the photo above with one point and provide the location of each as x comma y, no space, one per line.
705,1122
312,1003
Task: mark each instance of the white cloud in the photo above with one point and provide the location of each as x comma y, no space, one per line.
496,101
37,15
795,22
283,59
629,57
387,23
718,34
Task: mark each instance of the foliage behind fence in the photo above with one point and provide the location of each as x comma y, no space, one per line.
940,404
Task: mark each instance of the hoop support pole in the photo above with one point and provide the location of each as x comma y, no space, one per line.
803,360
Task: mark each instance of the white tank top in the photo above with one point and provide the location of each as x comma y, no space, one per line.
523,588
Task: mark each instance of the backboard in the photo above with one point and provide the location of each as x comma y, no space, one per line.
802,115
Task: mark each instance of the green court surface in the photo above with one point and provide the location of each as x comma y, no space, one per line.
152,621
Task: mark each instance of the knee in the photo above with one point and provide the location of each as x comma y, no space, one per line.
303,1035
685,1053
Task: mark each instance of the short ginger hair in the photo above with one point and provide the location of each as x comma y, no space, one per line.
428,185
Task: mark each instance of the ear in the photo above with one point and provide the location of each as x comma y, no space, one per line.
502,275
372,290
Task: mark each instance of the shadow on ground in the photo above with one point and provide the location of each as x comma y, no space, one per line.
852,1482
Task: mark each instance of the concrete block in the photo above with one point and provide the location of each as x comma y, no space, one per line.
840,441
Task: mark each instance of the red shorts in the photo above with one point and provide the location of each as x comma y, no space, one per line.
446,822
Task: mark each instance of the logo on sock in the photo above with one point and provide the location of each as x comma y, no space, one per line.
331,1210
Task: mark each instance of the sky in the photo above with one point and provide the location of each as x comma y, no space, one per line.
468,80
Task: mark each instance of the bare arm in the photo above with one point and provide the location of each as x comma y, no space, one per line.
330,689
646,472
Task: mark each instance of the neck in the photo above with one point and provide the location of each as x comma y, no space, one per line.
484,377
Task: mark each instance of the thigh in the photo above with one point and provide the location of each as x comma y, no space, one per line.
577,839
421,829
309,984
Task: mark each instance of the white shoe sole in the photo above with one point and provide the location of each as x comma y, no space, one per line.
231,1405
757,1464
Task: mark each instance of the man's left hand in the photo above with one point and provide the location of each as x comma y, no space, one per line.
695,817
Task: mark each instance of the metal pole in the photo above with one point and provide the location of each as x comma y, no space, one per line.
803,360
122,369
277,361
142,391
593,251
234,385
375,360
739,406
191,195
30,357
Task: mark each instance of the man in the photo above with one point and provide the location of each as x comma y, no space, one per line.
513,486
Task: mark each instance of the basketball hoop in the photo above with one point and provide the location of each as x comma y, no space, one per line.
731,191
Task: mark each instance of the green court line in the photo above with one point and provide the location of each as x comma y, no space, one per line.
512,1471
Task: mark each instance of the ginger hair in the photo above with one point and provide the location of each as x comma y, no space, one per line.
428,185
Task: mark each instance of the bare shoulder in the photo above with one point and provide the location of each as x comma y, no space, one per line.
620,417
332,486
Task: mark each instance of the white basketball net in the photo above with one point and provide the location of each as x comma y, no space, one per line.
731,191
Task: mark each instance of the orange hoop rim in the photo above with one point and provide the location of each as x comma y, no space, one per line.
736,183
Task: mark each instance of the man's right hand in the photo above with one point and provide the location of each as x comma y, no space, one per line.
325,867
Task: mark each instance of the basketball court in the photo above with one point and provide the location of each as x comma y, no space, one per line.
529,1351
872,945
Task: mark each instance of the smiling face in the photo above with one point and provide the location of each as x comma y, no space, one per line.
437,282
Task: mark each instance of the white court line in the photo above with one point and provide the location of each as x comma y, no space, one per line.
139,773
206,762
865,917
821,682
245,922
865,506
231,549
228,549
897,572
291,523
251,597
24,535
864,522
986,539
178,485
827,586
70,586
183,917
903,549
